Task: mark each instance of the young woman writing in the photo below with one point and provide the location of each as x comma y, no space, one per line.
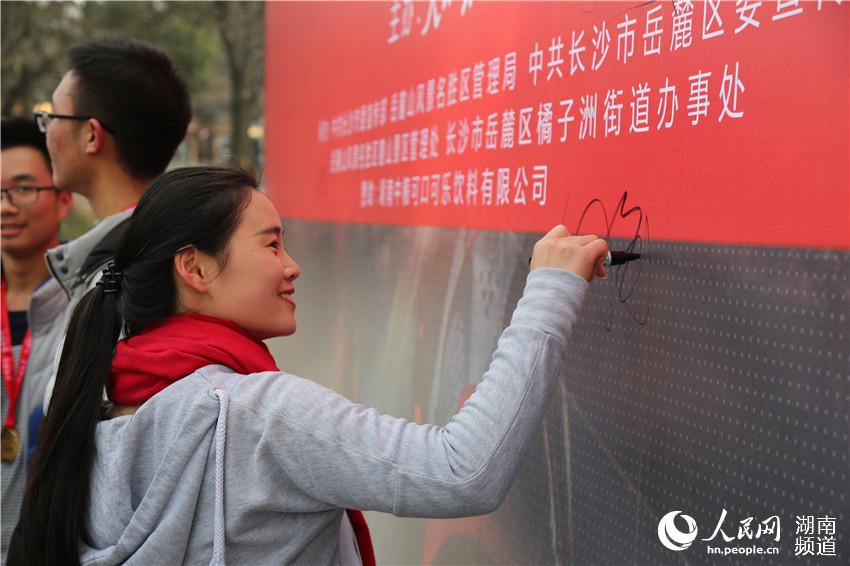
209,452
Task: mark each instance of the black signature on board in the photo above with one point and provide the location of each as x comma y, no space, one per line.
630,279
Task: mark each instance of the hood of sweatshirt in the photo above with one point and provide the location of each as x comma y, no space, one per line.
173,482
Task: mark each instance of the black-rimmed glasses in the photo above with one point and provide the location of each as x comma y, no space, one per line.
24,195
42,119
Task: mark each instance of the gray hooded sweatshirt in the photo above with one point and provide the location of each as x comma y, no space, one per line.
46,304
257,469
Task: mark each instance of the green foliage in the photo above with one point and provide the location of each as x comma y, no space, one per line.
185,30
77,223
34,39
37,35
217,45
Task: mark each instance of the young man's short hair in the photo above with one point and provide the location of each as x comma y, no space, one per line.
23,132
133,88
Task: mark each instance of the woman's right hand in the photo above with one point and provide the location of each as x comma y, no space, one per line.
583,255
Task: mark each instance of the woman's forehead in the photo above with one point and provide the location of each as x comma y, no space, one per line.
260,214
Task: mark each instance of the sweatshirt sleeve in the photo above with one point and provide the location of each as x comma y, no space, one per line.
343,454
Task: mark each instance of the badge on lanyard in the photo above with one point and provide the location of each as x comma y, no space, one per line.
13,379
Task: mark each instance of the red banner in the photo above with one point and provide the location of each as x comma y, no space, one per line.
726,122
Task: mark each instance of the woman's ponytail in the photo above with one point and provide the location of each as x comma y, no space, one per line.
56,501
201,206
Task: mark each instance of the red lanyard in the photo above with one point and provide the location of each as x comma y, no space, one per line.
12,378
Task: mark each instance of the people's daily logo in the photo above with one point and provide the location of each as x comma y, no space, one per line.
815,535
671,536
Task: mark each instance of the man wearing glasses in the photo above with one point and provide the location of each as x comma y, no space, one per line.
31,209
117,118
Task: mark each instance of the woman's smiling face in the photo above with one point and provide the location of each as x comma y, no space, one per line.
254,289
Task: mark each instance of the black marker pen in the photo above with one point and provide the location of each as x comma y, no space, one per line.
619,258
614,258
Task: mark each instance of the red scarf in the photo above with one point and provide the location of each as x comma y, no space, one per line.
146,364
